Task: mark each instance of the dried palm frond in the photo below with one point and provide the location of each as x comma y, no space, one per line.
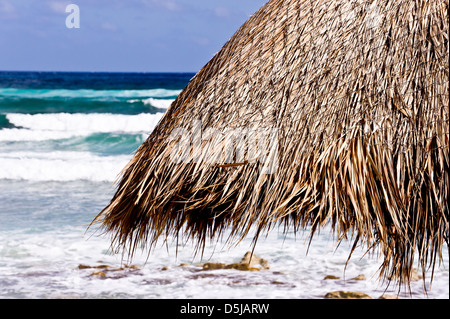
313,113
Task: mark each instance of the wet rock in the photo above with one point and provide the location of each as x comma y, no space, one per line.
253,260
213,266
104,270
415,276
237,266
347,295
81,266
241,266
108,268
359,277
132,267
248,263
99,274
387,296
331,277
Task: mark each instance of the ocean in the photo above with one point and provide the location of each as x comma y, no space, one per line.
64,138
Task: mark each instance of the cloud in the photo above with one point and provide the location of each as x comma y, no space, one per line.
58,6
7,8
203,41
108,26
170,5
222,12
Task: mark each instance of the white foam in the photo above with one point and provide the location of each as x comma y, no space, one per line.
159,103
86,93
35,165
39,127
44,265
162,104
61,166
15,134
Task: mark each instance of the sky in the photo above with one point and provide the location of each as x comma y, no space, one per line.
117,35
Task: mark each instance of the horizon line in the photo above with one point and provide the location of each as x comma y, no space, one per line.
123,72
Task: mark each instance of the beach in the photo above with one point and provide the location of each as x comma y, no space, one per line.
64,139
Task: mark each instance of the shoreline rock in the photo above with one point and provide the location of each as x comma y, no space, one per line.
99,274
331,277
237,266
414,276
102,270
347,295
248,263
387,296
359,277
254,260
108,268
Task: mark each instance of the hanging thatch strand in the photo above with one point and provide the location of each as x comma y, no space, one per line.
314,112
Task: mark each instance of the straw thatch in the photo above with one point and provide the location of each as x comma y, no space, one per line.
356,95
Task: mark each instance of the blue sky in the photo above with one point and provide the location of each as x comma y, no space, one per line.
118,35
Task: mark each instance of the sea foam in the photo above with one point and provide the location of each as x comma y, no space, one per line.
40,127
38,165
85,93
161,104
45,265
61,166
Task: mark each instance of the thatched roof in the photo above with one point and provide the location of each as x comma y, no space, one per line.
314,112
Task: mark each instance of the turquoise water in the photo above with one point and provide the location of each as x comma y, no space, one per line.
64,138
67,126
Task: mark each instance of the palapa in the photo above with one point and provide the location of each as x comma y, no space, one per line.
314,113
